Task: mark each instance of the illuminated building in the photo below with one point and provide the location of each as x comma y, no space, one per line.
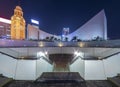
95,27
33,30
34,33
18,24
4,28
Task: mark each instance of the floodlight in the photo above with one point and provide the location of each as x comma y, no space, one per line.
40,54
35,21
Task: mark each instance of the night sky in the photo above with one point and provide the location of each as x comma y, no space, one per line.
54,15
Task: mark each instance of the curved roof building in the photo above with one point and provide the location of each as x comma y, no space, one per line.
96,26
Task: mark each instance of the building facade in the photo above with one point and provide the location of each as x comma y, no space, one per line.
4,28
34,33
95,27
18,24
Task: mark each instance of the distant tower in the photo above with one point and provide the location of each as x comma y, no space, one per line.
65,31
18,24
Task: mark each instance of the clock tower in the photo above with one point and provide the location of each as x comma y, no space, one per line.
18,24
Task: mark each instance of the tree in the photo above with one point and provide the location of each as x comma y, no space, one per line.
47,38
74,38
79,40
51,38
98,38
66,38
55,39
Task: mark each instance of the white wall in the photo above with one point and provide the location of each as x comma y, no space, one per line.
94,70
78,66
112,66
42,66
7,66
31,69
101,69
25,70
97,69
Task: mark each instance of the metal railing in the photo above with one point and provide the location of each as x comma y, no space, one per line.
25,43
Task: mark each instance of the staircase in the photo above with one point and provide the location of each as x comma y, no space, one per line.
115,80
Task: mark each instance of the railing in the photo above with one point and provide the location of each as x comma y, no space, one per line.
25,43
9,51
18,57
108,53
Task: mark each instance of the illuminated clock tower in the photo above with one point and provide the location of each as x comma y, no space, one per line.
18,24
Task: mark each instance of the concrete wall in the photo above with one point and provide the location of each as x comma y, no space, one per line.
94,70
78,66
7,66
23,69
112,65
97,69
42,66
101,69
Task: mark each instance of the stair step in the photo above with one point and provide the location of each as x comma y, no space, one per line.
118,74
112,80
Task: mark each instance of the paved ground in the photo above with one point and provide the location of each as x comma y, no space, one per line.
97,83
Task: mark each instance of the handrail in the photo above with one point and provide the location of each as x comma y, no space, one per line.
109,56
18,58
94,58
47,60
10,52
8,55
86,58
74,60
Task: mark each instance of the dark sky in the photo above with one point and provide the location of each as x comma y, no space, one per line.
53,15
